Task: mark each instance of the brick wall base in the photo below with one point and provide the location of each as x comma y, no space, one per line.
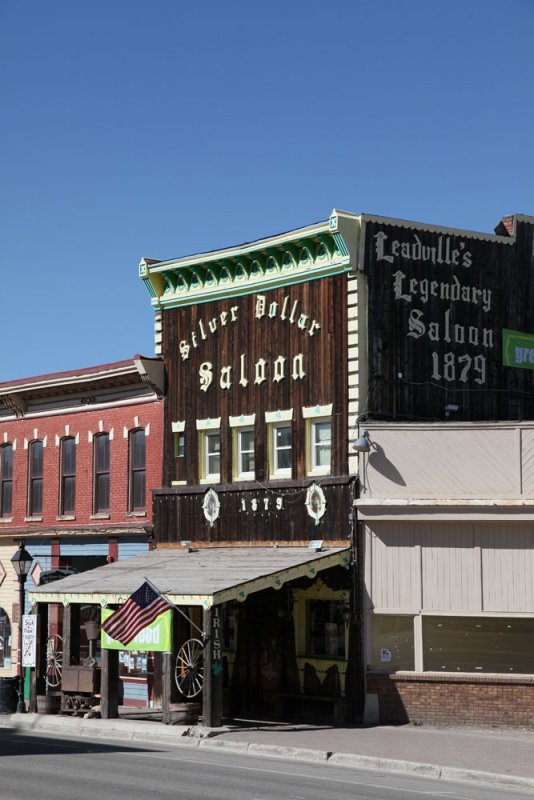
437,699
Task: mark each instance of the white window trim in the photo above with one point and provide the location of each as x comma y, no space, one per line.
243,421
272,417
209,424
317,411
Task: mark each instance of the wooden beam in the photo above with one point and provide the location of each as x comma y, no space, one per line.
212,694
166,688
109,686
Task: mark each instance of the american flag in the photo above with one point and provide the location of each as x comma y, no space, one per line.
140,610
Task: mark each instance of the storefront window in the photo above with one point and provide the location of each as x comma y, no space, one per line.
326,628
5,640
478,644
392,647
133,664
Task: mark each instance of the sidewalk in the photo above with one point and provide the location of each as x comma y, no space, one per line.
504,757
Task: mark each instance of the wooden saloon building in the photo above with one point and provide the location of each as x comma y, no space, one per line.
346,517
253,526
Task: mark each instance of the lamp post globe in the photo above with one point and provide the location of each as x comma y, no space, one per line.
22,562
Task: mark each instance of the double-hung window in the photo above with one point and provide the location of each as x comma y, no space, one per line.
6,480
318,439
280,443
209,450
212,455
282,449
245,452
137,482
101,473
243,460
320,445
67,496
35,479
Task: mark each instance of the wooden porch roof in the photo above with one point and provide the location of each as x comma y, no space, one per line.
204,577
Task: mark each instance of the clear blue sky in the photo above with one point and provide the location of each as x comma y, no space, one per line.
162,127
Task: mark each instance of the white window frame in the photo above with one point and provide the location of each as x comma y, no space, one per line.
276,471
314,416
208,428
208,454
240,473
314,467
239,425
276,420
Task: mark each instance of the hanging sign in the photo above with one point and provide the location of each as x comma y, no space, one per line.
216,642
29,640
156,637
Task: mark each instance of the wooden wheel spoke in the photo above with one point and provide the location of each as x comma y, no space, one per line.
54,660
189,672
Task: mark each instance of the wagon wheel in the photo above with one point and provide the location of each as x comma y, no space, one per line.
189,672
54,660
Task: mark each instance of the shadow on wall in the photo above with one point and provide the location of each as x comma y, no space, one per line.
381,463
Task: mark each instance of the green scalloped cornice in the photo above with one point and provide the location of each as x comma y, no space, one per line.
317,251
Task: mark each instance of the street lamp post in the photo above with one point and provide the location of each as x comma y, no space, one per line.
21,561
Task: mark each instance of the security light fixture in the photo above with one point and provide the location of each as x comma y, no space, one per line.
362,443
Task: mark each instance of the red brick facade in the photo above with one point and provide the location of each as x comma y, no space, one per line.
476,701
117,422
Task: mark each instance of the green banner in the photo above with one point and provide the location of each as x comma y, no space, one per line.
154,638
517,349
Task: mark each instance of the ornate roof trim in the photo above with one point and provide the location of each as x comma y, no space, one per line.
326,248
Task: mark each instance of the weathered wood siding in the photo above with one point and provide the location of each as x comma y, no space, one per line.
324,361
178,514
210,350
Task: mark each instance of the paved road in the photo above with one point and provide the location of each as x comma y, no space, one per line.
52,768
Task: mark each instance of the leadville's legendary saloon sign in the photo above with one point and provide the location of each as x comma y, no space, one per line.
462,365
440,303
277,369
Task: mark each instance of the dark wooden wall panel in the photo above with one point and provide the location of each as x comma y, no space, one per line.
178,515
325,365
416,370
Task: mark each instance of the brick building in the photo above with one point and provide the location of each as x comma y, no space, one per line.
79,454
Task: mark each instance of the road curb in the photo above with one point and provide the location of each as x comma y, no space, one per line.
198,738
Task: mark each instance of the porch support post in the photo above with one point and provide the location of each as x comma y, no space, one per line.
212,695
109,688
166,687
38,673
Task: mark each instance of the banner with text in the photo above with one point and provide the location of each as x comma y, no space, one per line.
156,637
